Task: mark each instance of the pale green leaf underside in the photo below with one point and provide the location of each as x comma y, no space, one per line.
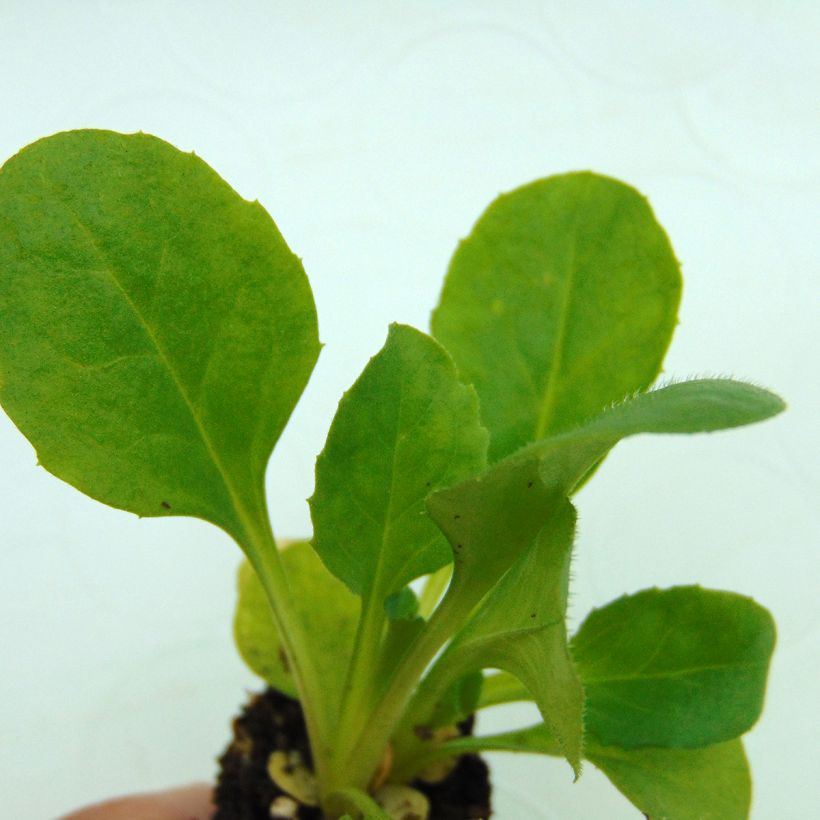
680,667
562,300
520,627
405,428
157,331
327,609
490,521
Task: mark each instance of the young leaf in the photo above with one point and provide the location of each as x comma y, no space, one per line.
405,428
562,300
681,667
157,331
520,627
510,502
490,521
325,607
712,783
697,406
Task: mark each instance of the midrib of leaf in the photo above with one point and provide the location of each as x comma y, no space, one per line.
548,402
388,516
372,616
393,519
613,647
110,269
676,673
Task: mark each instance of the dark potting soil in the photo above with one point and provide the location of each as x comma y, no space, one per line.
272,721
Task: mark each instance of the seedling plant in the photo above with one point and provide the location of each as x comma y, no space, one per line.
156,335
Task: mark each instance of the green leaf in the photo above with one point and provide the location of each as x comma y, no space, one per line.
712,783
681,667
325,607
405,428
697,406
490,521
402,605
520,628
562,300
157,331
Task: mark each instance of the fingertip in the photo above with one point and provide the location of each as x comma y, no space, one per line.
192,802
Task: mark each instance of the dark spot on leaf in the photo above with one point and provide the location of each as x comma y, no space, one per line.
283,659
427,484
532,615
423,732
165,505
456,517
529,484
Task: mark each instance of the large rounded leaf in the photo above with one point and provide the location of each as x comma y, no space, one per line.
156,330
562,300
681,667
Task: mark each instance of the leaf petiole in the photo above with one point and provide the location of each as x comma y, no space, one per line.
358,687
263,554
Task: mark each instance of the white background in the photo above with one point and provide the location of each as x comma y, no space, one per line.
375,133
